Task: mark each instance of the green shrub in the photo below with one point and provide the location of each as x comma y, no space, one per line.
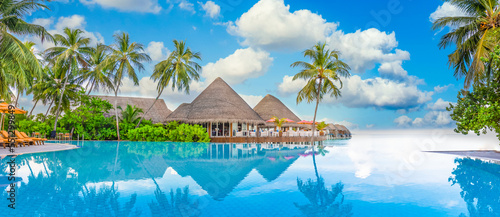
170,132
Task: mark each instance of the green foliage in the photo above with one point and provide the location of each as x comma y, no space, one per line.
89,120
171,132
479,110
322,125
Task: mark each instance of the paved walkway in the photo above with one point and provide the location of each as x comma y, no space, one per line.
48,147
488,155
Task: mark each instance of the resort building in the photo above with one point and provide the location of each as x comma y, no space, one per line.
158,113
270,107
221,110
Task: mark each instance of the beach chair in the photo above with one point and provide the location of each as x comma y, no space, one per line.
5,135
20,136
39,141
4,142
67,136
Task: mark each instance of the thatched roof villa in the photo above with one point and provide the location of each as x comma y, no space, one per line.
220,109
158,113
271,106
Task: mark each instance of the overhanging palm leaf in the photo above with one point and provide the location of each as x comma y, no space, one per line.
474,35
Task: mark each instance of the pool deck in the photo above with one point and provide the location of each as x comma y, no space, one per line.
48,147
483,154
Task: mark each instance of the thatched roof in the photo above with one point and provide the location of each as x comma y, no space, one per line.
271,106
158,113
217,103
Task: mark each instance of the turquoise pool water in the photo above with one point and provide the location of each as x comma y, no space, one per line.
369,175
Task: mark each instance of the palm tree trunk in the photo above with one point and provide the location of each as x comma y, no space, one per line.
116,112
144,115
91,87
47,113
60,99
315,167
17,97
315,112
33,107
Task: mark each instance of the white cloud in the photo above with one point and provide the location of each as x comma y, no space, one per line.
418,122
251,100
72,22
211,9
439,105
351,126
157,51
146,6
270,24
440,89
446,10
187,6
403,121
380,93
363,49
289,86
239,66
438,118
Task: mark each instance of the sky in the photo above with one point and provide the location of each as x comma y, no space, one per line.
400,78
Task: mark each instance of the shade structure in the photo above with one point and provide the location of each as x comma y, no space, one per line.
271,106
218,103
305,122
158,113
4,108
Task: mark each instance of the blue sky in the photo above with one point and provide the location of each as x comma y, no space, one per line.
400,77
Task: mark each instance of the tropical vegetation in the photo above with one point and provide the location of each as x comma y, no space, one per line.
323,75
474,34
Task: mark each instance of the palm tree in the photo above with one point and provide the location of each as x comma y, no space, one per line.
279,123
14,55
178,70
71,55
98,77
131,114
124,58
321,126
23,77
321,75
474,34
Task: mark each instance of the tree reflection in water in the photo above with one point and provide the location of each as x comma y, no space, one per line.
323,201
480,184
179,204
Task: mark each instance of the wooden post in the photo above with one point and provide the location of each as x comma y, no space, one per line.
209,129
230,129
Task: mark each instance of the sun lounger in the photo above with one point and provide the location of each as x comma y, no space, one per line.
5,135
39,141
20,136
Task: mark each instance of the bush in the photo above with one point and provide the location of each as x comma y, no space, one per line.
170,132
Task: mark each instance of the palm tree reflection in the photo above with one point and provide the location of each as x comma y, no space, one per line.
322,201
179,204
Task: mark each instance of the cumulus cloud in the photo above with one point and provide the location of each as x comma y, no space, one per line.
271,25
363,49
403,121
187,6
439,105
351,126
211,9
239,66
289,86
157,51
145,6
446,10
251,100
380,93
72,22
440,89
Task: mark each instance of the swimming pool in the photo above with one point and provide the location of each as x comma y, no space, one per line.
369,175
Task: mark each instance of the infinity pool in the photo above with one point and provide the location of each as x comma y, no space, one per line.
373,174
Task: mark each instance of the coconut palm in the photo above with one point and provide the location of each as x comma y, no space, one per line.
98,77
322,74
23,77
178,70
14,55
125,58
131,114
474,34
72,54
